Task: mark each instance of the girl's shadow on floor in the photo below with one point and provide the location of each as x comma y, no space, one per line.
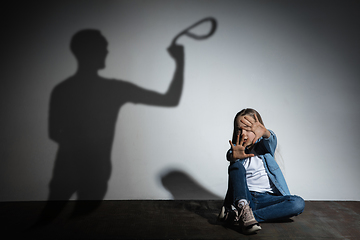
198,199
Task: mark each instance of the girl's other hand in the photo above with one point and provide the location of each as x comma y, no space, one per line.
255,126
238,150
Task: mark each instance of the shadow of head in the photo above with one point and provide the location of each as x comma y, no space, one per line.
90,48
183,187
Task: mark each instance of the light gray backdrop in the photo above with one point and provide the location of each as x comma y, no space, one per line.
296,62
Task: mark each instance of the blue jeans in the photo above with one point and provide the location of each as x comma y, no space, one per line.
265,206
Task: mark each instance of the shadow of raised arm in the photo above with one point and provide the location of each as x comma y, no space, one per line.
173,94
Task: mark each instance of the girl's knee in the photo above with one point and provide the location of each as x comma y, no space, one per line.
297,204
236,166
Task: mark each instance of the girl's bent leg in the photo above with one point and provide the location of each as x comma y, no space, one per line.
233,210
269,207
237,185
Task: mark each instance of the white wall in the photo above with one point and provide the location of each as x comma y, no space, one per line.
296,63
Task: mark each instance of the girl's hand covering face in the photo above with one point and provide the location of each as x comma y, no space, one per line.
253,125
239,148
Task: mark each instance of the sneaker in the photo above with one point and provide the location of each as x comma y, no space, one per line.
229,216
251,229
222,215
247,219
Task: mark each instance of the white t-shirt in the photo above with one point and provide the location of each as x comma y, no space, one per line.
256,175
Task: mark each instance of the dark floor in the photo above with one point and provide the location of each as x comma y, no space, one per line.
174,220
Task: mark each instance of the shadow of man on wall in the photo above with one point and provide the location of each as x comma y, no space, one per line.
82,118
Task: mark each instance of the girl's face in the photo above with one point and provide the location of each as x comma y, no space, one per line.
249,136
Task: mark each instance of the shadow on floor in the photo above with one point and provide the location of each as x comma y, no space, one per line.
184,187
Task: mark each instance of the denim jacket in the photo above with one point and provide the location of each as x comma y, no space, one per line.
265,148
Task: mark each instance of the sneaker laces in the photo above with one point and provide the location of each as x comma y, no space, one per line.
246,213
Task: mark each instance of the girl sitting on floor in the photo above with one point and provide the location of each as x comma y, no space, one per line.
257,190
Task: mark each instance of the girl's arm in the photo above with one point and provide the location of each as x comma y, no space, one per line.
267,145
